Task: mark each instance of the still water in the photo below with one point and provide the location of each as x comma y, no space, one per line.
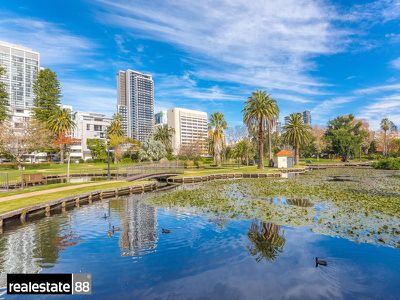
202,257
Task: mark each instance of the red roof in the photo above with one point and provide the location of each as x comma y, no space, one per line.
285,153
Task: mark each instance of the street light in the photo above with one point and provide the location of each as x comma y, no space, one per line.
108,160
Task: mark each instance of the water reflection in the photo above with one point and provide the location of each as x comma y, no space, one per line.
138,228
267,241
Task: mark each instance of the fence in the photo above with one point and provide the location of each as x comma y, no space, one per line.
23,180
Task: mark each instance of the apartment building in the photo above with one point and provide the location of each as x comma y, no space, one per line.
136,103
22,65
161,118
190,128
87,126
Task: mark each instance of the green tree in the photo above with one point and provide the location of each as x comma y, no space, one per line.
261,110
46,88
3,96
385,126
345,136
296,134
98,148
164,135
60,123
216,128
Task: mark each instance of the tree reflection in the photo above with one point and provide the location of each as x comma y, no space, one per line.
300,202
267,241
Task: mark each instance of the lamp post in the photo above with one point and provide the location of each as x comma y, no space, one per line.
108,160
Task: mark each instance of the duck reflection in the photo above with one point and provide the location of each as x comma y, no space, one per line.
267,241
138,228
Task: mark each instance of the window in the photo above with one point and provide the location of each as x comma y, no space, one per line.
87,126
97,128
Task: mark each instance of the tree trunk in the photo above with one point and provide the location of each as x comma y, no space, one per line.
261,146
61,154
297,154
269,145
385,150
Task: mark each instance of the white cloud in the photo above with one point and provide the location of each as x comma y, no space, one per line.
91,96
395,63
256,43
384,107
326,107
56,45
378,89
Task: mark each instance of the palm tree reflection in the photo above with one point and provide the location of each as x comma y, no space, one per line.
300,202
267,241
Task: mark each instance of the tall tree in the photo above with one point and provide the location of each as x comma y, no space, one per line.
217,126
116,136
98,148
60,123
46,88
260,109
164,135
296,133
345,136
385,126
3,96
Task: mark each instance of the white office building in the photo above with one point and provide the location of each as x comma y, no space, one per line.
136,103
190,128
22,65
87,126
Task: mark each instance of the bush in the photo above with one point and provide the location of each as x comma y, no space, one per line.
126,160
387,164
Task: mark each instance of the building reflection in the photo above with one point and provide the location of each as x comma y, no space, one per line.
267,241
138,228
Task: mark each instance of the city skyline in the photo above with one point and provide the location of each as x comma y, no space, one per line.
336,58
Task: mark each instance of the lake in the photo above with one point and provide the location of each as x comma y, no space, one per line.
205,255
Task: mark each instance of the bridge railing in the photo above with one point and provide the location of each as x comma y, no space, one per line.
152,167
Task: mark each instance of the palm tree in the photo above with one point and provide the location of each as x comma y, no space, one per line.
116,135
260,109
385,126
61,124
296,133
267,241
217,126
164,135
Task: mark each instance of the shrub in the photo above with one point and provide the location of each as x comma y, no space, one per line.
387,164
126,160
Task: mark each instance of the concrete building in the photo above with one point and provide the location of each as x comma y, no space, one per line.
190,128
88,126
22,65
307,117
136,103
161,118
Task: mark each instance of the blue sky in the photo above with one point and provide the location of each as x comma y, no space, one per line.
331,57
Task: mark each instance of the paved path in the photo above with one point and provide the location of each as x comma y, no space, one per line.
59,189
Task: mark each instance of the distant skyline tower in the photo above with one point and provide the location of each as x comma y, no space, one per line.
161,118
136,103
22,65
307,117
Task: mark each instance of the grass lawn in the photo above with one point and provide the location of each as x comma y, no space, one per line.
6,206
51,169
324,161
42,188
219,170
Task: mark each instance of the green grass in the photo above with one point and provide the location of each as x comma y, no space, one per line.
53,169
42,188
324,161
220,170
10,205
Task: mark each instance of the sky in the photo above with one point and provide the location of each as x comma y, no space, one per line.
329,57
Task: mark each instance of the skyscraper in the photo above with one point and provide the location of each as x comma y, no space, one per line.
161,118
136,103
21,65
307,117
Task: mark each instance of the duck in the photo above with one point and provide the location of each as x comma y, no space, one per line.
115,228
105,216
320,262
166,231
